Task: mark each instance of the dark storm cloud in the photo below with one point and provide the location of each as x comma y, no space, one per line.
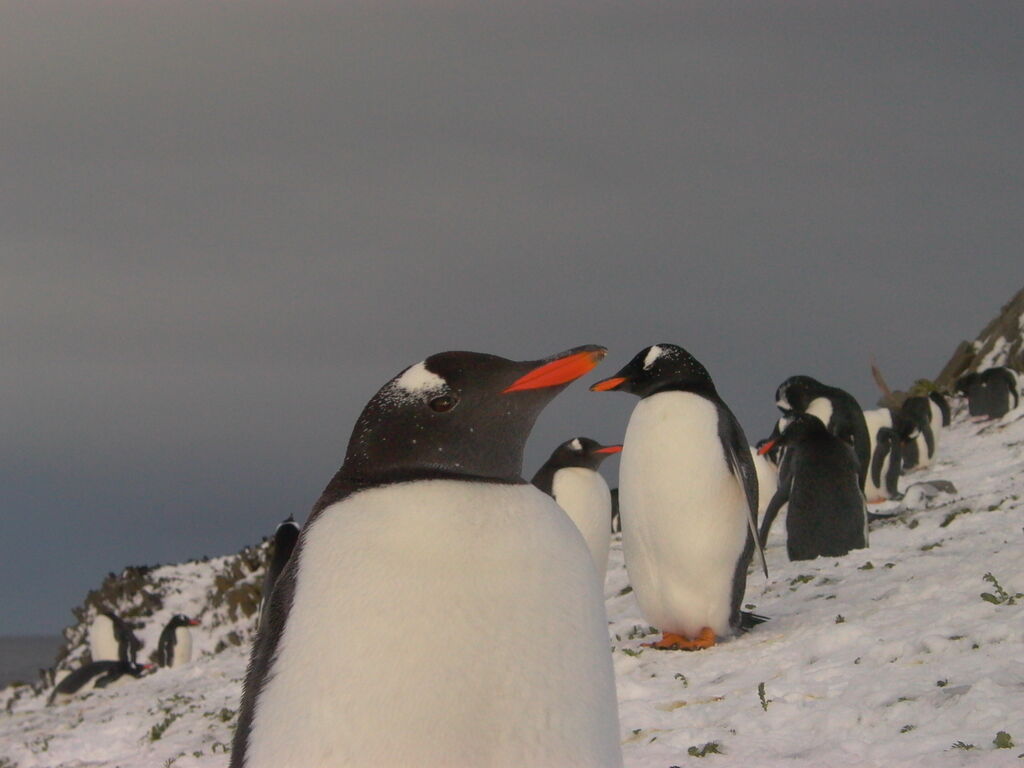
223,226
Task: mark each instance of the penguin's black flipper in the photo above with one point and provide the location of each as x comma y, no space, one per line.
750,620
737,455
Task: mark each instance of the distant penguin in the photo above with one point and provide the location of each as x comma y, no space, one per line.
837,409
175,646
918,411
886,456
940,409
818,479
285,536
767,478
112,639
616,517
688,491
991,393
97,674
438,610
570,476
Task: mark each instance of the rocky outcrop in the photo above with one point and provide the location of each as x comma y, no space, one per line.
1001,342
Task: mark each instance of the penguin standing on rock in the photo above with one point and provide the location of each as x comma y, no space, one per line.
827,516
837,409
688,490
175,646
570,476
97,674
111,639
285,536
422,618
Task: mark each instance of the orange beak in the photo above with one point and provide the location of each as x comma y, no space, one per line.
607,384
609,449
766,447
560,371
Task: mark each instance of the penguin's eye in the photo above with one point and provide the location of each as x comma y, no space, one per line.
442,403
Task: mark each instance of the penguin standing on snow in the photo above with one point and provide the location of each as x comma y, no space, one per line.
570,476
285,536
940,410
837,409
111,639
886,454
818,479
175,646
920,444
688,490
97,674
422,618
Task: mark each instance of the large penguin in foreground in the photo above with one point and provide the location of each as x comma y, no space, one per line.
827,515
571,478
438,610
688,490
837,409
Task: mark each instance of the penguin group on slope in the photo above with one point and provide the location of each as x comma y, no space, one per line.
113,652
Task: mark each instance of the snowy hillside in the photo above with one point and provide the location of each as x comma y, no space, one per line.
890,656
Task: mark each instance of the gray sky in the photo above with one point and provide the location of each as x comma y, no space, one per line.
224,225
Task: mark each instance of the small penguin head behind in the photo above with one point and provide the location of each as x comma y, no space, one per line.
794,428
458,414
796,393
659,368
582,452
181,620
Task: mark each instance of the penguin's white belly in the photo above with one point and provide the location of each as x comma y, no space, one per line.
684,516
441,623
875,420
935,415
923,457
585,497
182,647
102,643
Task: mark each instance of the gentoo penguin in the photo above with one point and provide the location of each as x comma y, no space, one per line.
570,476
940,410
112,639
886,455
919,446
767,477
423,616
97,674
837,409
285,536
818,479
991,393
175,646
688,490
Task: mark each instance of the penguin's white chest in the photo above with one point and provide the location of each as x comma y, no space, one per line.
767,480
585,497
182,647
102,643
441,623
684,516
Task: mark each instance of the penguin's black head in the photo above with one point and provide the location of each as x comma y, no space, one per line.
887,436
659,368
581,452
796,393
800,427
964,383
458,414
181,620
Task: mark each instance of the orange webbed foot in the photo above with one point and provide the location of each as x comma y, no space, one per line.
670,641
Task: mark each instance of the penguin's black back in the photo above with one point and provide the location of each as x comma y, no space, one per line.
826,516
106,671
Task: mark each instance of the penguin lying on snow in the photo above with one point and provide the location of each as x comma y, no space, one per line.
111,639
424,617
175,646
97,674
827,516
285,536
688,492
837,409
570,476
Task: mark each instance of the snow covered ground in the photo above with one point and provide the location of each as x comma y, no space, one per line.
889,656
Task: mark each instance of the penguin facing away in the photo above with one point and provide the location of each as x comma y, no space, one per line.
111,639
688,492
285,536
97,674
422,617
827,515
837,409
570,476
175,645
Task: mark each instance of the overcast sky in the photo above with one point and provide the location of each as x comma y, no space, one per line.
224,225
